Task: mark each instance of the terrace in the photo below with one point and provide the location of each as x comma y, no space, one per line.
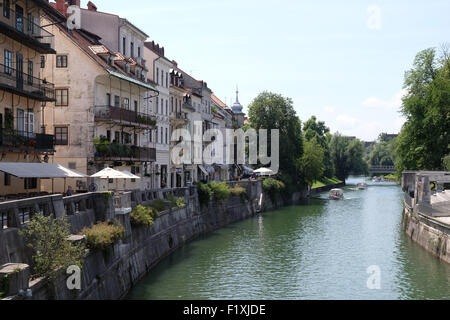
24,30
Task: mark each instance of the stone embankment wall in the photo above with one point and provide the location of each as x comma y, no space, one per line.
427,232
111,273
315,191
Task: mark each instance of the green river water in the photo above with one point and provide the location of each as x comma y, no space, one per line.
319,250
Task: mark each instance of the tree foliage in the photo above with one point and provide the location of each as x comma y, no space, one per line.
347,155
424,141
52,251
273,111
313,129
311,164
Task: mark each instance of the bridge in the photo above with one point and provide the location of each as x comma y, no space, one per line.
381,169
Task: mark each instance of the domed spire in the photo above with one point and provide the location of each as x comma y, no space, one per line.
237,107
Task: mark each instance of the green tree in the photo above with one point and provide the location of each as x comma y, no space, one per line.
383,152
273,111
424,139
51,249
313,129
347,155
311,164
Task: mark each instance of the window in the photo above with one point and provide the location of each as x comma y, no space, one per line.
20,120
132,49
124,46
171,104
30,23
73,165
108,99
157,105
30,72
135,106
108,135
126,103
162,135
6,9
157,76
157,131
166,135
8,62
116,101
42,61
30,183
61,136
61,61
162,78
167,81
62,97
139,51
7,179
116,137
167,107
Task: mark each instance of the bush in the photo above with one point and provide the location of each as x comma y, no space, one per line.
159,205
51,251
273,188
103,234
221,190
176,202
204,193
142,216
239,191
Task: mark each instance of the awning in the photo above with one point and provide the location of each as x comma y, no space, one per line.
39,170
203,169
248,169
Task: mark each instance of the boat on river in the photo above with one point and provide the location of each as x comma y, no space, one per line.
336,194
361,186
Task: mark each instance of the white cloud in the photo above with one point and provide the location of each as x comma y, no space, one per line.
374,20
394,103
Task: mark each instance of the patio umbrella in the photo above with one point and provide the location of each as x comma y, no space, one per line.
110,173
131,176
264,172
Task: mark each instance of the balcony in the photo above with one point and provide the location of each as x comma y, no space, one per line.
25,85
188,106
124,116
178,119
27,32
124,152
15,140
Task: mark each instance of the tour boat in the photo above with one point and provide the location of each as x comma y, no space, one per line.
361,186
336,194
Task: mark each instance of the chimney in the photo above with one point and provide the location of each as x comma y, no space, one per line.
91,6
175,64
162,51
60,4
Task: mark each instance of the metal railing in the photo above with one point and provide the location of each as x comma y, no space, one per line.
22,24
123,115
124,151
27,140
26,83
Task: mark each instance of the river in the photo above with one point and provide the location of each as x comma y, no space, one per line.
318,250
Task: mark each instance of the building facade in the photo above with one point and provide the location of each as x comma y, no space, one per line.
25,46
102,115
159,72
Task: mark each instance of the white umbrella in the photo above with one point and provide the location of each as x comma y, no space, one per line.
109,173
264,172
130,175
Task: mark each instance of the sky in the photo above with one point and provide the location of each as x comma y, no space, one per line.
342,61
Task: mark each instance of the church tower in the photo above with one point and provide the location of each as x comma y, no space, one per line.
238,115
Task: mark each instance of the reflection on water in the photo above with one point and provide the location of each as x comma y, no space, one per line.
318,250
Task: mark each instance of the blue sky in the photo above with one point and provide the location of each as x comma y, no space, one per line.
343,61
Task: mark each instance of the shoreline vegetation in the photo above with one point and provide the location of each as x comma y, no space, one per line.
326,182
